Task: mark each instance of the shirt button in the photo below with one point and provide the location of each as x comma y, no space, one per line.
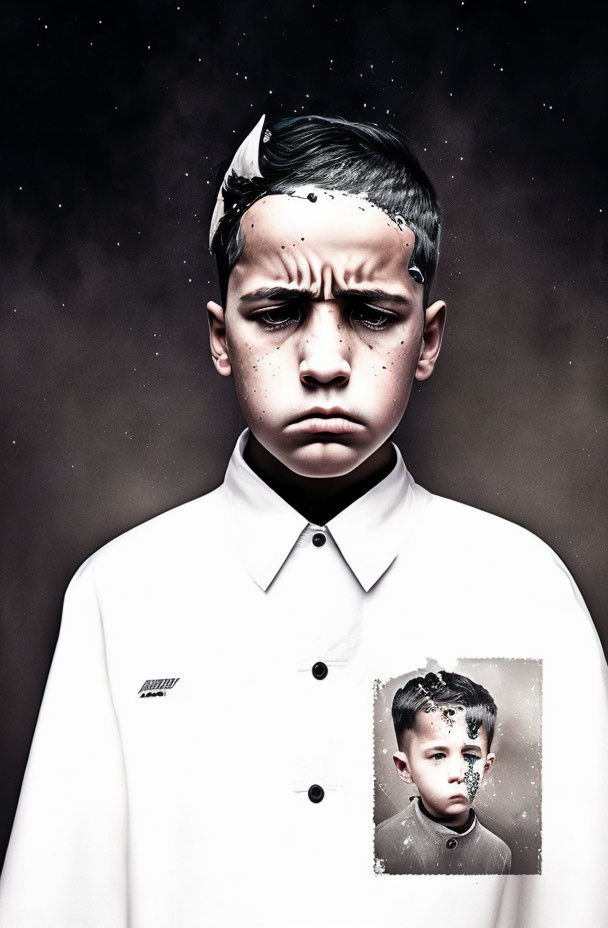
318,539
451,843
319,670
315,792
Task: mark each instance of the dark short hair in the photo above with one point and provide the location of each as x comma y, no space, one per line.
431,692
334,154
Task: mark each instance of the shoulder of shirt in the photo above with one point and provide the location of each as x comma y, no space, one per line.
396,821
452,522
162,534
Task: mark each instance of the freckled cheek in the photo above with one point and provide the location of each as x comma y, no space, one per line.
399,357
257,374
389,373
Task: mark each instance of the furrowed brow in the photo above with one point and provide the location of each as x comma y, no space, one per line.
394,299
296,293
275,293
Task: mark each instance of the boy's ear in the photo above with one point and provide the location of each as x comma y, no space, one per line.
217,338
487,767
403,766
434,324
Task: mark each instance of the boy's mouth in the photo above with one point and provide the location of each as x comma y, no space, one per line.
319,421
319,412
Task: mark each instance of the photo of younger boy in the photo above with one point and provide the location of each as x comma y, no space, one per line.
444,725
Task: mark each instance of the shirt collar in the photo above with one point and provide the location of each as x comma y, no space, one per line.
439,828
369,532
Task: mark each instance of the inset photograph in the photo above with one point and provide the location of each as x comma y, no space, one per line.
458,769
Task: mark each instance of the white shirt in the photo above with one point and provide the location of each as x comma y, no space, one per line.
192,808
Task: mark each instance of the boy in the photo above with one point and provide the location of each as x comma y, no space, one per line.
244,794
444,725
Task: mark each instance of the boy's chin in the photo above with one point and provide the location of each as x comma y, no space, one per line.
449,810
453,809
324,459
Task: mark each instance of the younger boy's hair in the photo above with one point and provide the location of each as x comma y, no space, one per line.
334,154
444,689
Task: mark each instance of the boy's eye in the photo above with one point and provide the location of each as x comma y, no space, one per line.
471,757
279,317
438,756
291,314
371,317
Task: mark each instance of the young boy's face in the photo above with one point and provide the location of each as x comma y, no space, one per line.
324,329
444,762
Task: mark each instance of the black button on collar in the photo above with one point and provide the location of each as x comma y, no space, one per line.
451,843
319,670
318,539
315,792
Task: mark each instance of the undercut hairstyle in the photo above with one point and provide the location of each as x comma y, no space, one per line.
441,692
333,153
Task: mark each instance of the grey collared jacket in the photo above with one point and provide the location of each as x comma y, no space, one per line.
411,842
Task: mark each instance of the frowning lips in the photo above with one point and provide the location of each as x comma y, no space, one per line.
333,420
319,412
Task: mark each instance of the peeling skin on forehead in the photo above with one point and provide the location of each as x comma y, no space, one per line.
449,715
336,241
435,717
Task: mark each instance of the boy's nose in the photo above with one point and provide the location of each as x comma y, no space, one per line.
324,352
456,774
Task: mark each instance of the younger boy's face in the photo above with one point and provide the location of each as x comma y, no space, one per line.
324,329
444,762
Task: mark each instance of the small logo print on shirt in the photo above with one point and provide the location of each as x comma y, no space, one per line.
157,687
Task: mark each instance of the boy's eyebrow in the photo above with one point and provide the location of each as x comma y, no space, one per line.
274,293
395,299
444,747
295,293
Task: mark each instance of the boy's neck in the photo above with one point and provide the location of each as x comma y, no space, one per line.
319,499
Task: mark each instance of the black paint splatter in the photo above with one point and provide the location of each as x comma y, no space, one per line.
472,727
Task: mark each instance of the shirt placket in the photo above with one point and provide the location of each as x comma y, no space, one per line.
325,630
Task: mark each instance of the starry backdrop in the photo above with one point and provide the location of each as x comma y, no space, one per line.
114,120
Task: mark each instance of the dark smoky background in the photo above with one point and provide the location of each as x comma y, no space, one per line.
114,120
